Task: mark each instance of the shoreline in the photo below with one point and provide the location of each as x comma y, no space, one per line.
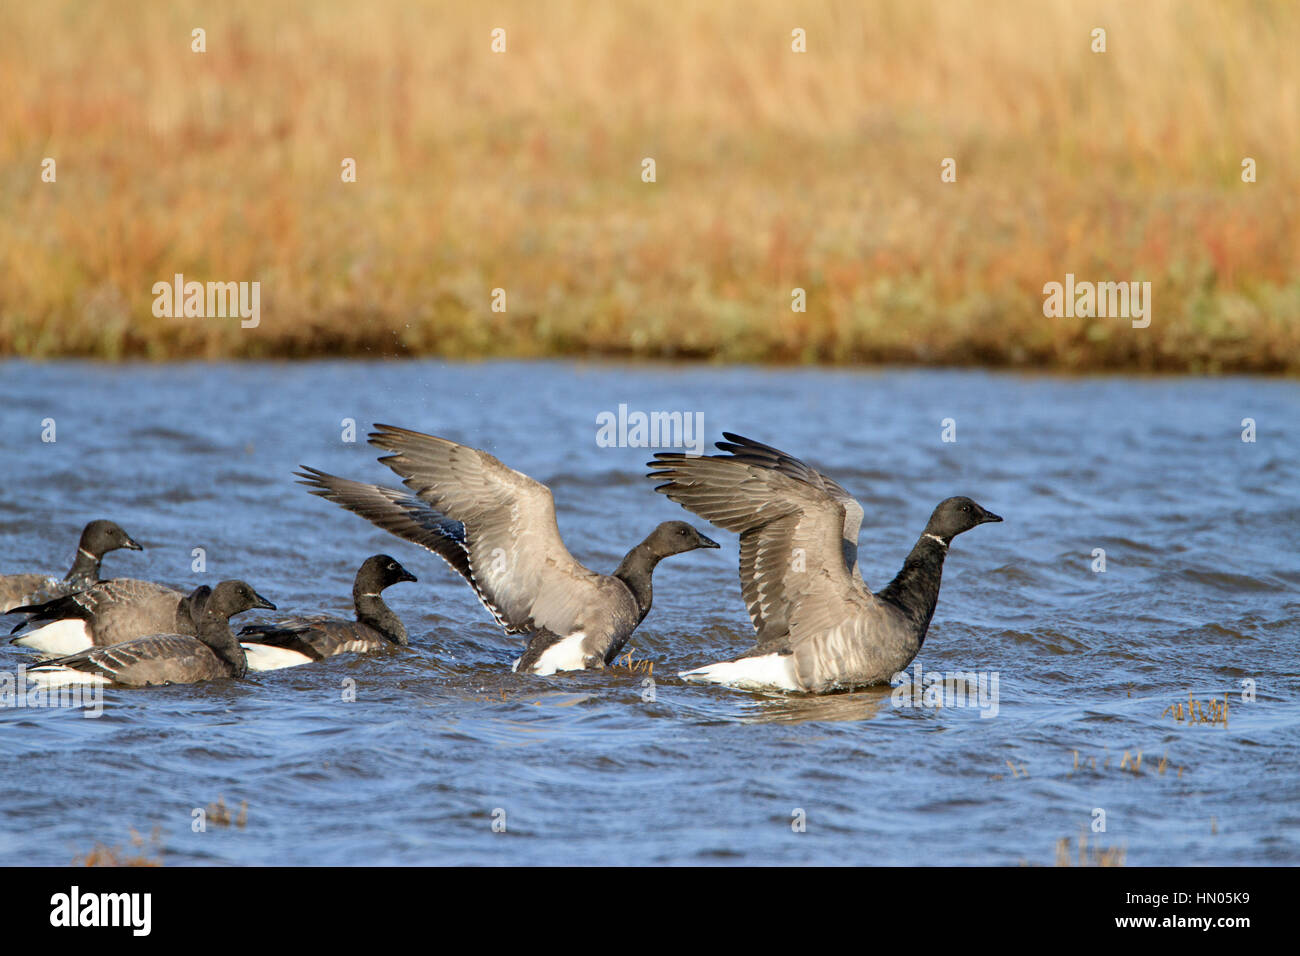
629,358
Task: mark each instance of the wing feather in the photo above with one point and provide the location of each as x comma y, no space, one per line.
402,514
798,574
514,557
134,661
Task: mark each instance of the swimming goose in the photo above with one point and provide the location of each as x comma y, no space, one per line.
97,539
212,653
300,640
109,612
819,628
496,528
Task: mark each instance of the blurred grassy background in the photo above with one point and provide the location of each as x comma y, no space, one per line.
775,170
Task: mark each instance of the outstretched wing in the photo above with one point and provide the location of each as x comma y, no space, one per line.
514,557
765,456
795,574
397,512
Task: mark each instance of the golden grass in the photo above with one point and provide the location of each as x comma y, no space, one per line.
1212,712
1089,856
218,814
103,855
626,662
775,170
1131,764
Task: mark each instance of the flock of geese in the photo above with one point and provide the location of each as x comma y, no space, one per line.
819,628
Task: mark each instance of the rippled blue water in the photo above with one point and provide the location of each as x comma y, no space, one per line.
1199,595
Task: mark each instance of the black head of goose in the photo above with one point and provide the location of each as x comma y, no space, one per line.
97,539
915,589
212,653
105,613
637,569
818,627
496,527
300,640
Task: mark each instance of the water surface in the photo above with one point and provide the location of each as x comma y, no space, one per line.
1199,595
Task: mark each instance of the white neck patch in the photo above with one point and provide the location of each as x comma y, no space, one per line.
935,537
86,553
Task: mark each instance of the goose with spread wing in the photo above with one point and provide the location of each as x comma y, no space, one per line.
819,628
496,528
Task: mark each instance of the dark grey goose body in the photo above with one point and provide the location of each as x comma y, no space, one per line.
97,539
110,612
211,653
496,527
819,628
300,640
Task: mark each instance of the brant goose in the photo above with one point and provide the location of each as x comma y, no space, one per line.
97,539
819,628
166,658
496,528
109,612
300,640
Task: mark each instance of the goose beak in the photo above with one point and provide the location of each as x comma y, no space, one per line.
707,542
407,576
133,545
989,516
263,602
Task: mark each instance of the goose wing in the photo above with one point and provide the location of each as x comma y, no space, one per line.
315,637
398,512
514,556
156,659
765,456
85,605
795,573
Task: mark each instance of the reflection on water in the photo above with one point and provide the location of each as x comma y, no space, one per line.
1198,596
859,705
